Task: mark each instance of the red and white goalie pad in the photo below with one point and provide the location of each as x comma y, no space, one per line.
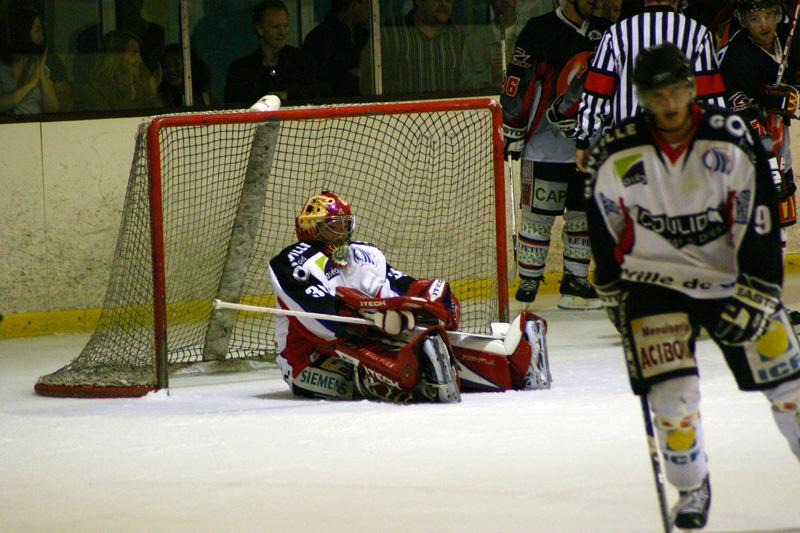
441,304
517,360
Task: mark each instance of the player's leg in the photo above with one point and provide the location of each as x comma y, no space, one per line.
543,198
325,376
785,401
659,332
422,368
576,291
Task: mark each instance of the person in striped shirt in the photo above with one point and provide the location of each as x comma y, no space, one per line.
608,96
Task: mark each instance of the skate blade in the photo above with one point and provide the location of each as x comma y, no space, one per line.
578,303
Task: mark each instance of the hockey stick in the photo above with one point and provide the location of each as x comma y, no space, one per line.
655,462
788,45
219,304
503,50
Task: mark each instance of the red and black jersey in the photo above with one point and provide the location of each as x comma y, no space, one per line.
549,52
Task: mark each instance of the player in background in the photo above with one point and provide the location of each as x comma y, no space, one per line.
608,96
749,65
684,230
548,53
326,272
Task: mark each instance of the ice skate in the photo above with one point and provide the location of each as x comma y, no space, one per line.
691,511
528,287
577,293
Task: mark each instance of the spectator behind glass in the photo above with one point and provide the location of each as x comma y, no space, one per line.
276,67
171,88
25,84
422,51
150,35
119,78
336,44
481,64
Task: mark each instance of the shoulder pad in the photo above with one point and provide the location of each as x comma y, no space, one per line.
623,135
296,254
724,125
365,243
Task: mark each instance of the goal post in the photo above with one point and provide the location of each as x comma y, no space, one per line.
212,197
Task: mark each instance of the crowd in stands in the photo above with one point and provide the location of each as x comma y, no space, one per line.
132,67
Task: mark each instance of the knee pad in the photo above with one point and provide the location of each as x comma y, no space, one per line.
675,404
785,400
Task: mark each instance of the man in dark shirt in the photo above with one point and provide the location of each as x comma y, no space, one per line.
336,43
276,67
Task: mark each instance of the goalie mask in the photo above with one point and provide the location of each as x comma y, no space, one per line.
327,219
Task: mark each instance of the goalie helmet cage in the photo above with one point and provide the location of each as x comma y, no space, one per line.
212,197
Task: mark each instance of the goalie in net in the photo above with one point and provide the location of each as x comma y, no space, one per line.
412,349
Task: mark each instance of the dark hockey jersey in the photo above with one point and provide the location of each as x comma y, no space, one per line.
548,53
305,279
692,220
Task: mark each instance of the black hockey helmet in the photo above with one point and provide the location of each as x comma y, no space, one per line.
660,66
742,7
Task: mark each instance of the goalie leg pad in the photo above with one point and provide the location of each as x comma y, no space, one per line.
327,377
785,399
675,404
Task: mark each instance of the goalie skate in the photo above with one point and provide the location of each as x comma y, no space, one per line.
538,375
439,381
691,511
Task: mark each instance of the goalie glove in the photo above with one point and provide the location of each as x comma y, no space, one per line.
391,315
747,313
565,125
610,296
514,141
441,303
780,99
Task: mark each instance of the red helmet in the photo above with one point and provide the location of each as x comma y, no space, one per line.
324,210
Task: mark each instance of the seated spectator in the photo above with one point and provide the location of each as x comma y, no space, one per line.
422,51
481,63
25,85
336,43
171,88
276,67
119,80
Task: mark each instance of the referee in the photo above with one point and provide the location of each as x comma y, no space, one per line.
608,96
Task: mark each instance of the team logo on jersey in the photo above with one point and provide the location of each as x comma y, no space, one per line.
361,256
716,160
594,35
631,170
740,101
695,228
609,206
521,58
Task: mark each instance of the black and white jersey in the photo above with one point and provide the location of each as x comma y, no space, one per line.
608,91
548,53
692,218
305,279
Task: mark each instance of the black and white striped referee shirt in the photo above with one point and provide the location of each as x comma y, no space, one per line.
608,90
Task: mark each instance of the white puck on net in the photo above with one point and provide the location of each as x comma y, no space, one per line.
268,102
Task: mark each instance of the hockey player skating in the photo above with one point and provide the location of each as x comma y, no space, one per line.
548,53
391,359
683,227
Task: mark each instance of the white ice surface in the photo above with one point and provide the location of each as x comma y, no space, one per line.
238,453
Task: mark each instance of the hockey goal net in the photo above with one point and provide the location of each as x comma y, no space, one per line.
212,197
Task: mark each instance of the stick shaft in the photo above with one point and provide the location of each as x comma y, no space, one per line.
655,463
219,304
788,45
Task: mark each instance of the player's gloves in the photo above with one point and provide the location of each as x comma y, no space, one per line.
514,141
780,99
775,174
611,295
390,321
566,125
747,313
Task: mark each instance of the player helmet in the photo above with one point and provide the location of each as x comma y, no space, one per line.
325,210
661,66
742,7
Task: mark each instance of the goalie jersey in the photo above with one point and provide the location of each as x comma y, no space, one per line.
691,218
305,279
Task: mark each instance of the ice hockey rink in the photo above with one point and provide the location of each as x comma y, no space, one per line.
238,453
